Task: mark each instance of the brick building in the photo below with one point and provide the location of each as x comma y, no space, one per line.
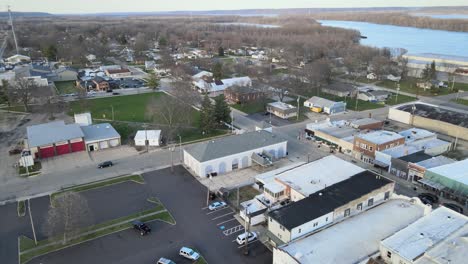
365,145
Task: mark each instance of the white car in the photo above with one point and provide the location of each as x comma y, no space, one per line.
241,238
189,253
216,205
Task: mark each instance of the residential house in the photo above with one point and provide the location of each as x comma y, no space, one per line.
282,110
209,85
150,65
371,76
330,205
340,89
91,57
17,59
393,78
374,96
318,104
365,145
245,94
230,153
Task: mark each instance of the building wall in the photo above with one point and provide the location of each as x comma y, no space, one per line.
311,226
400,116
295,195
399,168
441,127
281,113
278,230
281,257
394,257
338,107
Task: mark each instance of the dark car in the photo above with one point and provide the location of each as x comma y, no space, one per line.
141,227
454,207
115,93
105,164
429,196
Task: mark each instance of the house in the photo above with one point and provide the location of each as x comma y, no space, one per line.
18,59
371,76
118,73
201,75
439,237
42,70
97,83
450,180
100,136
374,96
417,170
393,78
354,240
424,85
147,137
91,57
318,104
104,68
330,205
150,65
365,145
230,153
240,95
54,139
340,89
37,80
282,110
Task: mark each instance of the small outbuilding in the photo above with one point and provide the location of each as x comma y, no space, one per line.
100,136
150,137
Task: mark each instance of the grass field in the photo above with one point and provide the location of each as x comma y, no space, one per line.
66,87
252,107
351,102
409,86
394,100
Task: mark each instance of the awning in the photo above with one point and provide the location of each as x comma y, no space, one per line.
380,164
432,184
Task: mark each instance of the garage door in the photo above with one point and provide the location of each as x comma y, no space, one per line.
115,142
103,145
47,152
62,149
77,146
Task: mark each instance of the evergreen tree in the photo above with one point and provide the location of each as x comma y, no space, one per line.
50,52
221,51
222,112
152,81
4,92
218,71
207,117
433,71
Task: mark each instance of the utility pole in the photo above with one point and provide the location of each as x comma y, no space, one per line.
298,108
112,108
238,200
32,223
172,158
246,227
208,190
180,148
13,30
232,122
397,91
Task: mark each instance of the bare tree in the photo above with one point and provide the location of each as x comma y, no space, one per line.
68,213
25,90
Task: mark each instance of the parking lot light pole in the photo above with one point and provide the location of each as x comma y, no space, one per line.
180,148
246,227
32,223
208,191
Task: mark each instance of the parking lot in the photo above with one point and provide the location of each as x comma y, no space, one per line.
130,83
211,233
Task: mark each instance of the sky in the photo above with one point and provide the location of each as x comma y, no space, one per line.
105,6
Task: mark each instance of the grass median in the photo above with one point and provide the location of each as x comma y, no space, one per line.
21,208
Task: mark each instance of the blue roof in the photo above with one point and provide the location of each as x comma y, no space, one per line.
99,132
53,132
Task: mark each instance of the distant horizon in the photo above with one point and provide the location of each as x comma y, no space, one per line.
84,7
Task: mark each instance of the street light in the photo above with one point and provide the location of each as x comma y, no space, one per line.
208,190
180,148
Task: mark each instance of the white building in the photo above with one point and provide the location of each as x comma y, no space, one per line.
353,240
330,205
100,136
424,240
282,110
38,80
153,137
208,85
83,119
17,59
234,152
318,104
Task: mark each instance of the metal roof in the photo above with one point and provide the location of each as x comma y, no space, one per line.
231,145
49,133
99,132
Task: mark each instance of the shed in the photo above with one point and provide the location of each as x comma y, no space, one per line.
151,136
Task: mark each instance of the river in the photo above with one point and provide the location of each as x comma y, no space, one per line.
414,40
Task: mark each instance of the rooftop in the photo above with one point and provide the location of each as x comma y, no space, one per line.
231,145
364,121
328,199
269,176
425,233
435,162
99,132
319,101
413,134
353,236
148,134
282,106
338,129
48,133
457,118
457,171
380,136
317,175
416,157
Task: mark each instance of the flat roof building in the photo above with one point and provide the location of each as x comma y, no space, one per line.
282,110
100,136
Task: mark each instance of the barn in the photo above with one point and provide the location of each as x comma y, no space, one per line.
54,139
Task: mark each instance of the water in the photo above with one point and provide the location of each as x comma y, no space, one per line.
443,16
414,40
250,25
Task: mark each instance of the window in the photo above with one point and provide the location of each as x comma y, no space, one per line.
359,206
370,148
315,224
235,166
370,202
326,219
299,231
271,219
387,195
389,254
347,212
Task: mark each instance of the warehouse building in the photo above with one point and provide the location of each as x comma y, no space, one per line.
318,105
230,153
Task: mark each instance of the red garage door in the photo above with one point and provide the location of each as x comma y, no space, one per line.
78,146
62,149
47,152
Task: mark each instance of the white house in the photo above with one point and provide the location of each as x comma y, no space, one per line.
152,136
234,152
374,96
371,76
17,59
207,84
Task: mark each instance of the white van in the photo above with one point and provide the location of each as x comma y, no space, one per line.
189,253
241,238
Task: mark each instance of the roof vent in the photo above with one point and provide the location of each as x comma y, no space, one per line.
421,234
320,194
449,217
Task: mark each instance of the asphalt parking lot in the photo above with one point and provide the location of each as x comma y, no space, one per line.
212,233
275,121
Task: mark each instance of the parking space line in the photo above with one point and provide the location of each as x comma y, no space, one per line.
217,210
206,207
251,242
221,216
233,230
225,221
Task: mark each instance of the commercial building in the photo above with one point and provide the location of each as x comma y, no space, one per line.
367,123
330,205
234,152
318,105
424,240
417,170
444,63
245,94
400,166
432,117
365,145
282,110
100,136
354,240
147,137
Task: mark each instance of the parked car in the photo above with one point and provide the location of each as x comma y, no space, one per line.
15,151
425,200
429,196
216,205
105,164
141,227
189,253
115,93
454,207
242,237
165,261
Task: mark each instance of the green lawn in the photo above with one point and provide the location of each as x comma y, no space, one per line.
245,193
252,107
351,102
66,87
394,100
21,208
460,101
32,169
409,86
189,135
